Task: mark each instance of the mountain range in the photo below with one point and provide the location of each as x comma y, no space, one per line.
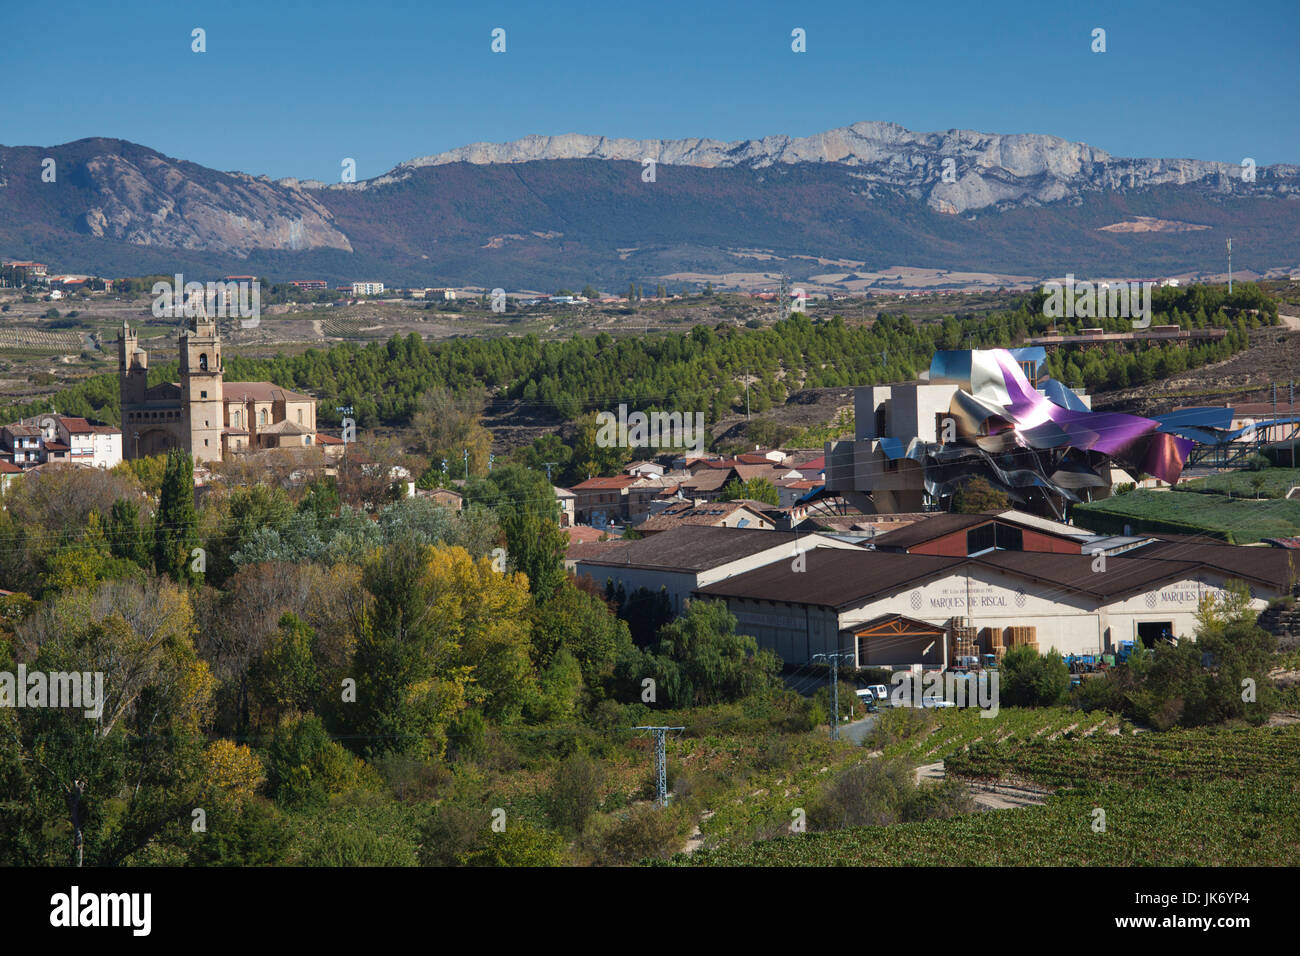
842,209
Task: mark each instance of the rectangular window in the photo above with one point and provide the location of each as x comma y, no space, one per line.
1010,538
980,539
203,394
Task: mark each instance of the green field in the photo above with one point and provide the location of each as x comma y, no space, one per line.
1181,798
959,728
1214,823
1181,755
1267,483
1236,520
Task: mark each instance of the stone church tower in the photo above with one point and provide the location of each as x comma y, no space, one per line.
198,413
201,398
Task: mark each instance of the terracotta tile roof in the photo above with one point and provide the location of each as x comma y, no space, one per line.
618,482
240,392
283,428
705,481
76,426
584,534
712,514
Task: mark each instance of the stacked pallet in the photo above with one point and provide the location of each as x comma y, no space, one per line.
1020,637
961,639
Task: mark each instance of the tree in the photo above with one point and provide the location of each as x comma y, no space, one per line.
754,489
247,511
126,535
1030,679
582,624
528,511
977,495
176,532
447,424
575,794
284,679
700,659
123,777
305,767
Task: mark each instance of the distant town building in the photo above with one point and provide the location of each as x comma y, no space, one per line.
367,288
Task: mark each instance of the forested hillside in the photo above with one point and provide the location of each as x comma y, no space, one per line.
702,370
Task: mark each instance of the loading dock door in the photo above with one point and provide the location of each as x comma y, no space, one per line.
1151,633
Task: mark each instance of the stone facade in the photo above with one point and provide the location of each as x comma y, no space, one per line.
202,413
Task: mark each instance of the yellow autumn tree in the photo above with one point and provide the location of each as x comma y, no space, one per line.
484,613
233,769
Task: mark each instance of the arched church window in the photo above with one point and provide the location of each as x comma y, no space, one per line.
203,361
261,417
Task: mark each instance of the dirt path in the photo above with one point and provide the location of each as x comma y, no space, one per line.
696,839
989,796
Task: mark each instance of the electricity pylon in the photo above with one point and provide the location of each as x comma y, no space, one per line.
661,762
834,660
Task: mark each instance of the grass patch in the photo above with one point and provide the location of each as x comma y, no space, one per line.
1235,520
1272,483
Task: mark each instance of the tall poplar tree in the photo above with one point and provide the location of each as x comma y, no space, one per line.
176,525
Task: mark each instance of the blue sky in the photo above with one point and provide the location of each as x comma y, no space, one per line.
289,88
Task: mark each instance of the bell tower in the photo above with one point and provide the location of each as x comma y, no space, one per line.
201,377
132,368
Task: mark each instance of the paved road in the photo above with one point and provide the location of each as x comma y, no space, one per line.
857,731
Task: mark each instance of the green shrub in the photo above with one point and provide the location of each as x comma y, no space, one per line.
575,795
645,831
1030,679
305,767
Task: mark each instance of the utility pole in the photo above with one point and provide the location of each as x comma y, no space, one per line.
467,464
746,394
661,762
1229,267
548,465
834,661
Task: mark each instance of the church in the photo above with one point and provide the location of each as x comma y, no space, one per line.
209,418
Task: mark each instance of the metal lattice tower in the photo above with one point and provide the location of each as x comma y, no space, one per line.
661,761
834,661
